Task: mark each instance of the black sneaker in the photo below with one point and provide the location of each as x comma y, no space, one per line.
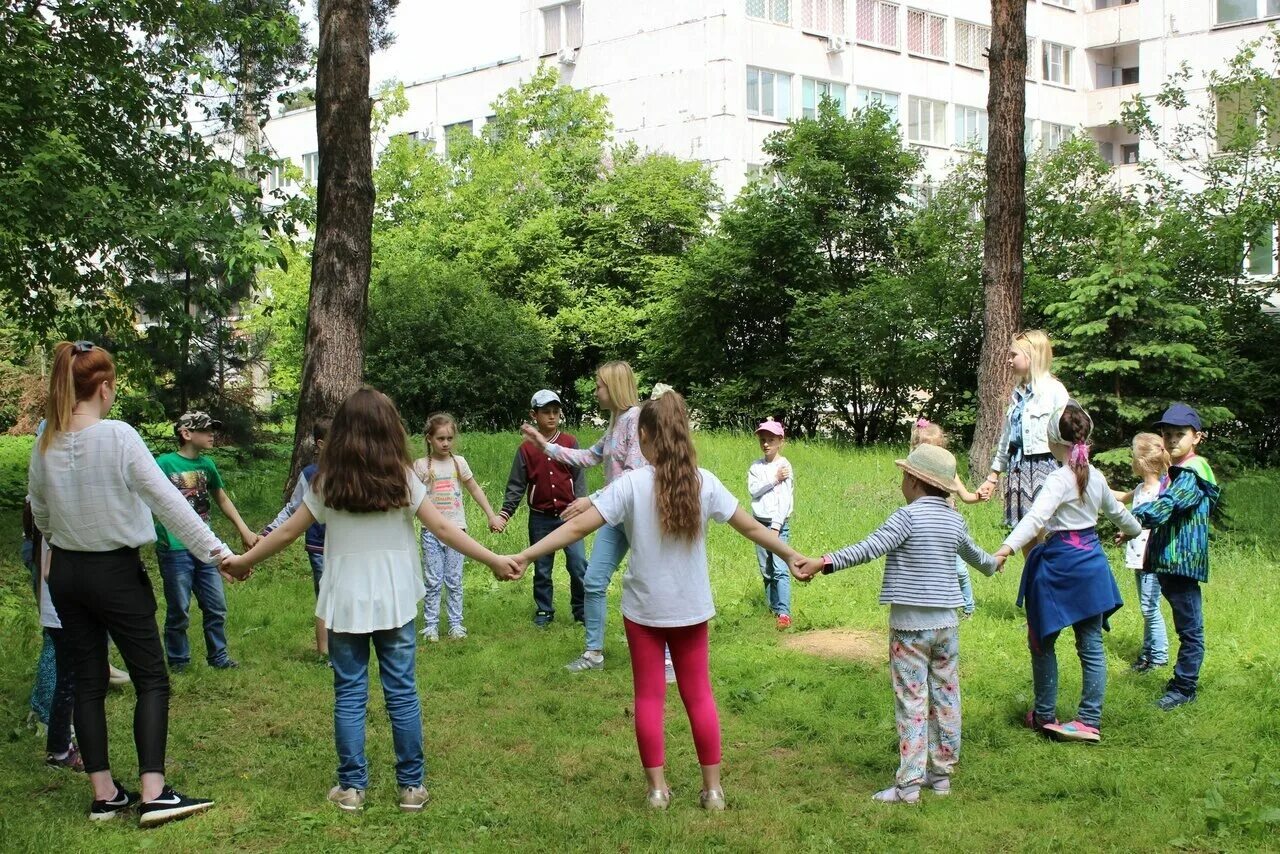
170,806
542,619
1173,699
109,809
226,664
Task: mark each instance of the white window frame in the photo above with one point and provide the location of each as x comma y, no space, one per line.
1262,10
822,87
311,167
772,11
565,16
868,96
823,17
1062,62
1053,134
781,83
935,119
933,33
1248,263
452,131
971,126
1062,4
884,18
972,43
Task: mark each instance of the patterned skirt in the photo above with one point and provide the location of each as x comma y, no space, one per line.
1023,482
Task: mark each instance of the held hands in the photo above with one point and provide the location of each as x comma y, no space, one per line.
249,538
497,524
805,568
1001,555
579,506
509,567
234,568
987,489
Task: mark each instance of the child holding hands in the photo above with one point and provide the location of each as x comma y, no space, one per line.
921,541
771,483
925,432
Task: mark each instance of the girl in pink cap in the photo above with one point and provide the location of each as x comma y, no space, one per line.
771,483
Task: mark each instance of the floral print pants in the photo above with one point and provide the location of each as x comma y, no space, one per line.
924,666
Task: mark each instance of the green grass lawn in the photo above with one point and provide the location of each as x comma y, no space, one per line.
522,755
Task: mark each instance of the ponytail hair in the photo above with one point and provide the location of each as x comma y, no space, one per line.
925,432
78,370
1074,427
677,483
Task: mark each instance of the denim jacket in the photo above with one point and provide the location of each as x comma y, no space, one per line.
1048,397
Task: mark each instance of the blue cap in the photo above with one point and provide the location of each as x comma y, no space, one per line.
1180,415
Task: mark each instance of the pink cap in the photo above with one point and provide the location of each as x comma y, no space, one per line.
771,426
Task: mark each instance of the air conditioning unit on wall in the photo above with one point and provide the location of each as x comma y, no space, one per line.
835,44
567,56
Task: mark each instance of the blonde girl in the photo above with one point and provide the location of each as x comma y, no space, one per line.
1151,463
619,451
445,475
925,432
664,508
1022,451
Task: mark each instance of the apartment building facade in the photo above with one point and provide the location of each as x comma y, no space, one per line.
709,80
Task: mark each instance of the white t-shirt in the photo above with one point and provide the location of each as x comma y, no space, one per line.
666,583
444,479
372,569
1136,549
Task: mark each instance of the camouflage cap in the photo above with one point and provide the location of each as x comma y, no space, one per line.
197,421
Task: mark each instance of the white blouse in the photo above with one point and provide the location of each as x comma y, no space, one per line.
372,568
1060,507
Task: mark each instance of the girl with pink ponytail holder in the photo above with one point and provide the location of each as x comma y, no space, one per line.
1067,579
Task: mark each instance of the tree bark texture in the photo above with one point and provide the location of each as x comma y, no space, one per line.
1006,219
333,360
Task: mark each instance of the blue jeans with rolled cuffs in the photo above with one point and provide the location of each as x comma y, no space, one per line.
607,551
349,655
777,577
1093,666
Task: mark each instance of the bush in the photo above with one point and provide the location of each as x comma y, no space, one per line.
15,451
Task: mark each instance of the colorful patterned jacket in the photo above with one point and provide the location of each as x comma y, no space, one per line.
1179,521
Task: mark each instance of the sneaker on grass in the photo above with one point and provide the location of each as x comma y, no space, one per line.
170,806
895,795
1074,731
586,661
347,800
1174,698
431,635
457,632
109,809
940,784
71,759
413,798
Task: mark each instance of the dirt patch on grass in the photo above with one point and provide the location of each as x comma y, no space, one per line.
849,644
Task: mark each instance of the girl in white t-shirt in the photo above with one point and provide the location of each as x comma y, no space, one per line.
1151,463
367,497
445,474
666,591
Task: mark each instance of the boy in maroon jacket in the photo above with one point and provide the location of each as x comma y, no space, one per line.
551,487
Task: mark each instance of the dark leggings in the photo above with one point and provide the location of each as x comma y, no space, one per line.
97,593
64,694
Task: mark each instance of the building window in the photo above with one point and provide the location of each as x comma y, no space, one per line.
926,121
561,28
822,16
1129,153
971,127
812,93
1065,4
1107,151
1233,11
877,22
768,94
1261,258
926,34
455,137
778,11
1053,135
972,41
1057,64
887,101
311,167
278,177
1240,111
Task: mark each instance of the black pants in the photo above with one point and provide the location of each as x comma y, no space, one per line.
97,593
64,694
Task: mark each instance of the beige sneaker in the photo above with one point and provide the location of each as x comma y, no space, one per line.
413,798
347,800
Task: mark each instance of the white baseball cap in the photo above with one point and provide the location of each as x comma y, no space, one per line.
545,397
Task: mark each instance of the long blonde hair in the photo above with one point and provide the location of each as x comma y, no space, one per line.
1035,345
620,380
78,370
677,485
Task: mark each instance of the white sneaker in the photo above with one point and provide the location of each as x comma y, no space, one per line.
431,635
585,662
457,632
894,795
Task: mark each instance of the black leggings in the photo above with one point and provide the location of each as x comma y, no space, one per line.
97,593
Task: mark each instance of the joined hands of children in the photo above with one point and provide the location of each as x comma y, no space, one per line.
1001,555
233,567
509,567
805,568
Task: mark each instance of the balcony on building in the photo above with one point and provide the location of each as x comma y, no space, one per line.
1114,76
1113,22
1121,150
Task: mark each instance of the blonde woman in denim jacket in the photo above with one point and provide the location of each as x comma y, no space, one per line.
1022,452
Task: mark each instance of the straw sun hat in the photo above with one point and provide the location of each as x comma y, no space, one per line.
931,464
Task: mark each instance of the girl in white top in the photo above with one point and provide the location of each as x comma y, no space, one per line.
771,484
367,497
93,486
1151,463
666,591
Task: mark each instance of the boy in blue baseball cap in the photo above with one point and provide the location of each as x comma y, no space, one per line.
1178,548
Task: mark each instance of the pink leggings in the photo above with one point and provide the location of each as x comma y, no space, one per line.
688,646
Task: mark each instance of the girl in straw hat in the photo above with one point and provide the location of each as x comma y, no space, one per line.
921,541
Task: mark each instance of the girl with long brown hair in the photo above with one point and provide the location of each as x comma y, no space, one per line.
93,487
367,497
664,508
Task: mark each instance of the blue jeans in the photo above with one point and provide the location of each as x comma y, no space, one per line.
441,565
1188,621
184,575
349,655
777,577
608,550
317,570
966,585
1093,665
1155,639
575,558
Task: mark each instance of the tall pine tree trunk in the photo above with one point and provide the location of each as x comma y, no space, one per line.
1006,219
333,360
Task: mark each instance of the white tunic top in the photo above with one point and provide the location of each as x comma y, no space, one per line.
372,569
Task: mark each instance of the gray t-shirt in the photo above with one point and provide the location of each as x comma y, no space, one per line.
666,583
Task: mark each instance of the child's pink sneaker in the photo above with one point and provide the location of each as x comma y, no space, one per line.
1074,731
784,622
